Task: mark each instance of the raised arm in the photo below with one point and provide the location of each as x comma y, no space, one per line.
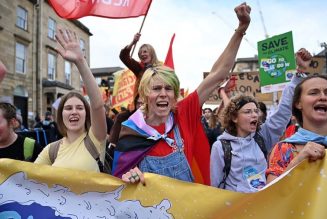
225,62
126,58
275,125
134,41
70,50
3,71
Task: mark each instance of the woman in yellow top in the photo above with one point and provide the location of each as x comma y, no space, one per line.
75,118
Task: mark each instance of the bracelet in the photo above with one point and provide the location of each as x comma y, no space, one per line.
300,73
243,33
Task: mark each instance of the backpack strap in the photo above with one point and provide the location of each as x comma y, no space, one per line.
260,141
28,148
36,130
45,137
93,151
227,148
53,150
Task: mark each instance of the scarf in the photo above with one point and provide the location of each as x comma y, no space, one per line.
138,119
302,136
136,139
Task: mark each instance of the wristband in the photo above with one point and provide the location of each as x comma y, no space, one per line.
242,33
301,74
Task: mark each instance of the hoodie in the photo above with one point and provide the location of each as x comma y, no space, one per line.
248,164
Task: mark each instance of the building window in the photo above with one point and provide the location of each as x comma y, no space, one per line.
82,46
52,25
20,58
68,70
51,66
21,20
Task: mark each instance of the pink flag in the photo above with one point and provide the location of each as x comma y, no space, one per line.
73,9
169,58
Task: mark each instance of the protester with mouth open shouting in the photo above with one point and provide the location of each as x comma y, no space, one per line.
147,55
309,142
239,156
165,135
82,124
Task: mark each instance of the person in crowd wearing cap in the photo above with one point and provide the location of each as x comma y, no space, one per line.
309,142
165,135
249,140
78,121
12,145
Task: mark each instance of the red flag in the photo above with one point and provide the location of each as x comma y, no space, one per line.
169,58
73,9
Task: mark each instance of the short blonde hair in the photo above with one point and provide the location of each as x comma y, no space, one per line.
164,73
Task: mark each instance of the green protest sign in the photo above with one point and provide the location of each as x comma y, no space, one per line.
276,62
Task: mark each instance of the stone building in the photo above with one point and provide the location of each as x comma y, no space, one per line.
37,75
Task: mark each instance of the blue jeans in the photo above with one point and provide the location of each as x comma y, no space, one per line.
174,165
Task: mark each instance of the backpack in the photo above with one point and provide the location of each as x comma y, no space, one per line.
54,148
227,148
28,148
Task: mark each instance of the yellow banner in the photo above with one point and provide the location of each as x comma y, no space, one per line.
123,91
28,190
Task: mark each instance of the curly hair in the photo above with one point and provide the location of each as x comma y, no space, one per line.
231,110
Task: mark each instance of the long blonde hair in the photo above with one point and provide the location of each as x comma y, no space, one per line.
154,60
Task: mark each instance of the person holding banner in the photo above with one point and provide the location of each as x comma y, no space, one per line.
239,156
77,119
309,142
165,136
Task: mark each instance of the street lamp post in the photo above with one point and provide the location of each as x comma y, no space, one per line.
324,45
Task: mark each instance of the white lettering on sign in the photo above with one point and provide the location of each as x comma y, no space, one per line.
118,3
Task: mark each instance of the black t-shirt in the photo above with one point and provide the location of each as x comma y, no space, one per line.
16,150
110,123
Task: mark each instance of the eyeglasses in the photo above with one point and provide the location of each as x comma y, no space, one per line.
250,111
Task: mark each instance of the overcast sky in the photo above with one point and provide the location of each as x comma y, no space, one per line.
203,29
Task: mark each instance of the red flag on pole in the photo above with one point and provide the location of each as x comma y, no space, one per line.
74,9
169,58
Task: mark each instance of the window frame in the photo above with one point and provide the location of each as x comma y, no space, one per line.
52,29
68,80
52,68
20,19
24,58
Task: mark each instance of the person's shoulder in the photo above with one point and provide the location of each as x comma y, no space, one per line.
20,138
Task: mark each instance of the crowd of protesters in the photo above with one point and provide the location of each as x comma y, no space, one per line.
165,134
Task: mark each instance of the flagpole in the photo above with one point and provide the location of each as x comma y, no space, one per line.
138,32
141,27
